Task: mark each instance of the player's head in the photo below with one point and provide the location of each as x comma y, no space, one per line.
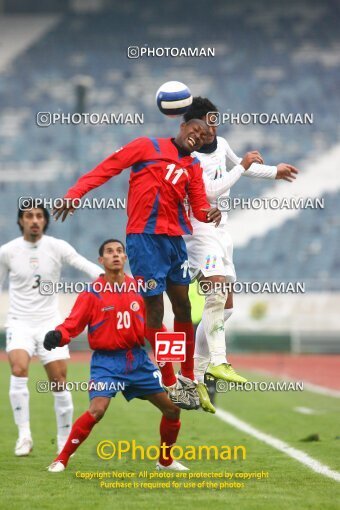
33,219
112,255
192,135
202,108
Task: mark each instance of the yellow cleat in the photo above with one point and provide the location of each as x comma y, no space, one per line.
204,398
226,373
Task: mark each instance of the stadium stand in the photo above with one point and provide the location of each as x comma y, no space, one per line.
257,68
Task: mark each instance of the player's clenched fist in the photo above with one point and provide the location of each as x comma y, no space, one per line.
250,158
52,340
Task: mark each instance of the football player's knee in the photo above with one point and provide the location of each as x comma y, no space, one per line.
59,379
216,300
172,412
98,412
19,370
155,312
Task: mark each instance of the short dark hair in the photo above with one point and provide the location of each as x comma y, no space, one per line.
199,107
28,206
102,246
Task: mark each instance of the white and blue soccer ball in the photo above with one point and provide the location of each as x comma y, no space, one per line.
173,98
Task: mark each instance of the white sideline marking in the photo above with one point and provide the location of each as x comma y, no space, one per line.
283,447
305,410
315,388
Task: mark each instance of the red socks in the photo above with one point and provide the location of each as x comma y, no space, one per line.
187,367
167,370
169,430
82,427
80,430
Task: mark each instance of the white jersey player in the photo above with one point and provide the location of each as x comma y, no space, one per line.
30,260
210,249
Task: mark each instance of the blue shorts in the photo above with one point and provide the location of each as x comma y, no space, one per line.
128,370
156,258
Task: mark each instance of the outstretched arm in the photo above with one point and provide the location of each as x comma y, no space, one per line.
71,257
256,169
282,171
113,165
217,187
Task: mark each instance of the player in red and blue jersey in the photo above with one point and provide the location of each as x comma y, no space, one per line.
163,175
113,310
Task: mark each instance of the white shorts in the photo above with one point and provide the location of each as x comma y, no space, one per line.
211,253
29,336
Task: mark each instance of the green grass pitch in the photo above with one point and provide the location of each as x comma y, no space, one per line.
26,484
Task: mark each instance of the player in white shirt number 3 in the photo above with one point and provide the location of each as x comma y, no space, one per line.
30,260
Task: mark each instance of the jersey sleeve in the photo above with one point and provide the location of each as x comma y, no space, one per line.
123,158
4,269
230,154
197,194
71,257
255,170
261,171
216,187
78,319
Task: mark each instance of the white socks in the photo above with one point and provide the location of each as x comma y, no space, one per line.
202,354
19,398
213,323
63,407
227,314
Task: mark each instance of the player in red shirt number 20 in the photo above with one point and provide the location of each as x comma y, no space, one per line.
115,319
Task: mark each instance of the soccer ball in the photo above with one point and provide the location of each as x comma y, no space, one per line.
173,98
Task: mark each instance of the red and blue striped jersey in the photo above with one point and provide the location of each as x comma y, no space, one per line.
160,180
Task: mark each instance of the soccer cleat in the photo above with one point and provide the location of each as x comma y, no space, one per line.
191,387
225,372
174,466
23,447
203,394
182,398
211,387
56,467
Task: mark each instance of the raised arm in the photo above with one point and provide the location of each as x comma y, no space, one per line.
217,187
282,171
123,158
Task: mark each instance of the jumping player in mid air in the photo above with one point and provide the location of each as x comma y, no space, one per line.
163,174
210,250
29,260
114,312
